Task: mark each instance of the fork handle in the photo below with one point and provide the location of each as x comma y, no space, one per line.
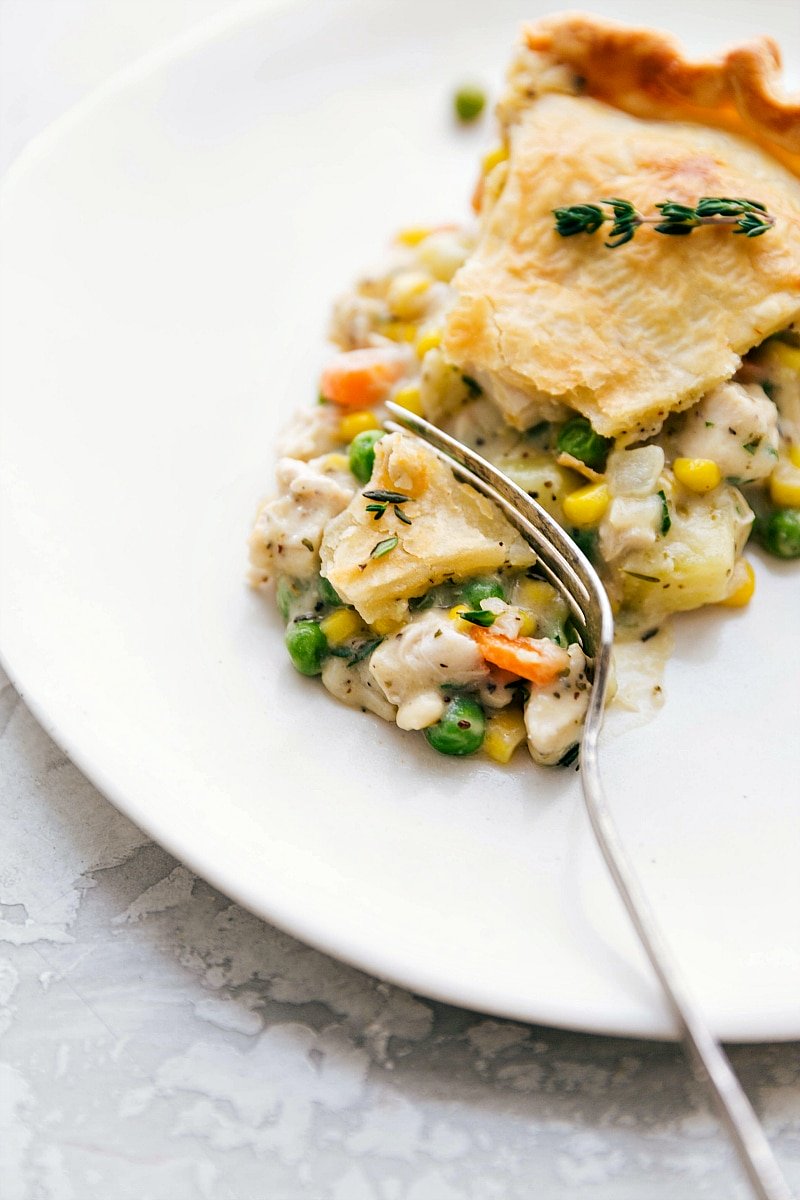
709,1059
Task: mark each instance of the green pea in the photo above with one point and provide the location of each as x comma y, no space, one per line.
307,646
327,594
475,590
461,729
361,453
780,533
286,594
469,103
579,439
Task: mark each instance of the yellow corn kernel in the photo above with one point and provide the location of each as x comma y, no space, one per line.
340,625
413,235
787,356
399,331
456,611
744,584
528,623
385,625
409,398
406,293
784,485
697,474
336,462
505,731
586,505
428,341
794,456
490,160
534,593
357,422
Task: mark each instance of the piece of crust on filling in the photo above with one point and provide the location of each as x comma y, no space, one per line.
626,336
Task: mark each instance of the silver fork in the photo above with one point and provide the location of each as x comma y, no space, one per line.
577,581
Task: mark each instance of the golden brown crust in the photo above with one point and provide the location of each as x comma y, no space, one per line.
626,336
645,72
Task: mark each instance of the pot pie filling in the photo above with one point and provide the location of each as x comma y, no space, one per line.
647,396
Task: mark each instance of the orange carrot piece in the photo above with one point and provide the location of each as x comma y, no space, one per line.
537,659
361,378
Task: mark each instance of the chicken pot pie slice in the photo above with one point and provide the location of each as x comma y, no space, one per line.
626,336
406,592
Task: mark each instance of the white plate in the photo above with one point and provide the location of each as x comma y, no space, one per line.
170,252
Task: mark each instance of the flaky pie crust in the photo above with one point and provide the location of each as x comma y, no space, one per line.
626,336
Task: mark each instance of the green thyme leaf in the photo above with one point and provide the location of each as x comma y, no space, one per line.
384,547
666,519
386,497
644,578
363,651
571,755
479,617
578,218
401,516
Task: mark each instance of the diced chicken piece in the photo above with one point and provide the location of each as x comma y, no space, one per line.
629,524
454,533
355,320
412,666
287,533
354,687
310,433
735,425
554,715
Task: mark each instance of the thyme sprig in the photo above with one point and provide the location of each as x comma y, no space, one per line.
748,217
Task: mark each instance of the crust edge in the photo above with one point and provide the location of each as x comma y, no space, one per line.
646,73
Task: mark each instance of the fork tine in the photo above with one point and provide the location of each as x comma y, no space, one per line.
547,562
